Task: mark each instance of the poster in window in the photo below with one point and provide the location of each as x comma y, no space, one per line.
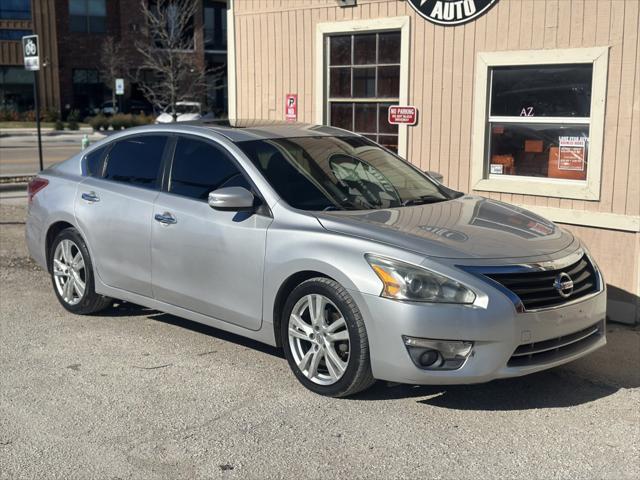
571,154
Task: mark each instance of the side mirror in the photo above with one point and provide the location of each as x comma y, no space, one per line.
232,198
438,177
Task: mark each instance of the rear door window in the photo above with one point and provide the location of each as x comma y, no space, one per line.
136,161
93,161
200,167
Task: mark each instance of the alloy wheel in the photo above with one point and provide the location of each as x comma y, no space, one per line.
319,339
69,271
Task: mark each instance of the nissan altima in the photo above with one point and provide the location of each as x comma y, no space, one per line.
319,241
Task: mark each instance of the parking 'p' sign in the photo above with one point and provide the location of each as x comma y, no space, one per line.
31,52
291,107
402,115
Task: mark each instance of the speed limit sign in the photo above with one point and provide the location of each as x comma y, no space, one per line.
31,52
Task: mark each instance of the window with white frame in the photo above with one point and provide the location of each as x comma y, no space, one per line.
538,123
363,80
558,94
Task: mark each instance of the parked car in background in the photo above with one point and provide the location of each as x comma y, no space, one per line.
186,112
319,241
130,106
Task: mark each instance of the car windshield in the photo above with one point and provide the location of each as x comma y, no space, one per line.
340,173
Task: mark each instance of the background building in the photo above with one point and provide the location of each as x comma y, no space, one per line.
72,33
532,102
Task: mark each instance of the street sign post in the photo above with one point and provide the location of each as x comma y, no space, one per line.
120,92
31,54
119,86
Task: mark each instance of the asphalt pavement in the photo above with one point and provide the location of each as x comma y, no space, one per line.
19,150
133,393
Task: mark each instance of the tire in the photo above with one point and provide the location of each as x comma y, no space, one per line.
66,251
329,357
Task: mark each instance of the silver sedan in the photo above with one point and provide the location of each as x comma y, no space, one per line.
319,241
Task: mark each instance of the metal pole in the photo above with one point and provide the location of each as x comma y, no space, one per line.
36,92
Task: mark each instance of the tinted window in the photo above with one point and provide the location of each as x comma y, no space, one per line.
136,160
339,173
87,16
93,162
15,9
542,91
200,167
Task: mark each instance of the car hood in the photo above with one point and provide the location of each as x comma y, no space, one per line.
468,227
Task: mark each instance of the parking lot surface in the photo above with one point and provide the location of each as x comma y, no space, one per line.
135,393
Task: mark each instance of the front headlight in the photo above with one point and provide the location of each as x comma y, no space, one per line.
403,281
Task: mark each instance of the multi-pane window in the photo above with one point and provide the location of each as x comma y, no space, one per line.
88,16
215,25
16,88
217,92
363,80
179,34
88,90
15,9
539,119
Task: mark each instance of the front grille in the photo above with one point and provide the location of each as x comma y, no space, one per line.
556,348
536,289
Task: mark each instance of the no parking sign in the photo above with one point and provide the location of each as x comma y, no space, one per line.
291,107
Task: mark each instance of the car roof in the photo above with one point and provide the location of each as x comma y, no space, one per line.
246,130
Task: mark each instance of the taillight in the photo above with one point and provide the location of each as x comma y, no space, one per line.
35,186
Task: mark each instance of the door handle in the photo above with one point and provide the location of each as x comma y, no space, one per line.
165,218
90,197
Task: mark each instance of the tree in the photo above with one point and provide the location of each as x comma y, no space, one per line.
113,65
168,72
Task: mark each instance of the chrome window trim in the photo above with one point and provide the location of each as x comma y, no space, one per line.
482,271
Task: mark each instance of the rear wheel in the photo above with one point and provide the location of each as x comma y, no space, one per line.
325,339
72,274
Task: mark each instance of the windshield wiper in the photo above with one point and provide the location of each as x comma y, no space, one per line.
423,200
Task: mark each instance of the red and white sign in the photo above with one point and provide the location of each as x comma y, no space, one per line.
291,107
572,153
402,115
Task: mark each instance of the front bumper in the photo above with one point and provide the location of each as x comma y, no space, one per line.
496,330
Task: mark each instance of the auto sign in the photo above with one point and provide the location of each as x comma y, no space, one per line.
451,12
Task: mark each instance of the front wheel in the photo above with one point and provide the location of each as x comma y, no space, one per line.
325,339
72,274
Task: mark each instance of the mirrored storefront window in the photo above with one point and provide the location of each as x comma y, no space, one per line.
15,9
16,89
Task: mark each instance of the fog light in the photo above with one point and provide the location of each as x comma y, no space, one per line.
437,354
428,358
